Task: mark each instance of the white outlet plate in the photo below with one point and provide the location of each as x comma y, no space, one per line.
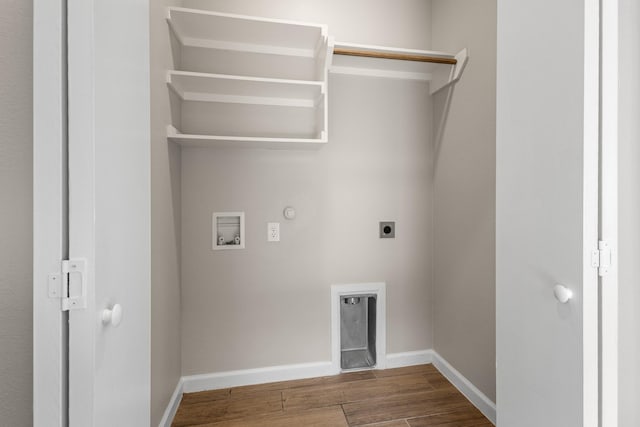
273,232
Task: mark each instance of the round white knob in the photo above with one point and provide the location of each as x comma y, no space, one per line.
112,316
562,293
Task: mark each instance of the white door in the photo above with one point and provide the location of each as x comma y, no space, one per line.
547,212
109,203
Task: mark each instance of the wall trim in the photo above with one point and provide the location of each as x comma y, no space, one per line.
172,407
409,358
471,392
218,380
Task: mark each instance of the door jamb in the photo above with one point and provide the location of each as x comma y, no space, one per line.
609,211
50,245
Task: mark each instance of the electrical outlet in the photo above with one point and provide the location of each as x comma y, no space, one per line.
387,230
273,232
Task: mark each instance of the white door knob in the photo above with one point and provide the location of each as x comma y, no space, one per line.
562,293
112,316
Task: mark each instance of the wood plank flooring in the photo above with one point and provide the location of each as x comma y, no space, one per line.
416,396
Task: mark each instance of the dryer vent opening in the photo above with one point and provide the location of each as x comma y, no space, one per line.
358,331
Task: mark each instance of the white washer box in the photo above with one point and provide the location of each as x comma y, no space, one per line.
228,230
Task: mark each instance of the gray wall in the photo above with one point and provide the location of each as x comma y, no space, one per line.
269,303
16,206
629,194
165,223
401,23
464,266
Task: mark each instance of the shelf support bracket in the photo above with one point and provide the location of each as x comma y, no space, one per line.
446,76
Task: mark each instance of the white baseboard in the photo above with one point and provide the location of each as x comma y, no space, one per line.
409,358
172,407
193,383
219,380
471,392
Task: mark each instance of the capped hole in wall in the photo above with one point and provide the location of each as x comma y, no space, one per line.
387,229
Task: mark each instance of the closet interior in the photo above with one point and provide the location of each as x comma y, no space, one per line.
312,126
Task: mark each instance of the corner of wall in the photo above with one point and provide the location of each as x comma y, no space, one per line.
464,219
166,365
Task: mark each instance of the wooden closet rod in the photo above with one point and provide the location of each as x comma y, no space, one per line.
398,56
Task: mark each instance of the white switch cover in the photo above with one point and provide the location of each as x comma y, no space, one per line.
273,232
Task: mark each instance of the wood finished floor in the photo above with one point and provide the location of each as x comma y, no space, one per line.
417,396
